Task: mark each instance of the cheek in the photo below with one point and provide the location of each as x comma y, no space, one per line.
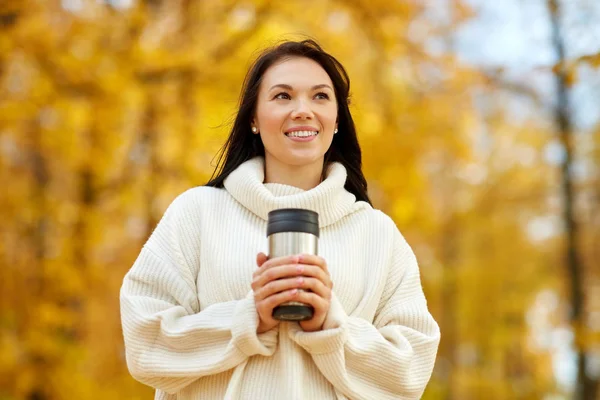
270,118
328,117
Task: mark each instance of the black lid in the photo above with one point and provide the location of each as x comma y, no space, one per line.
293,220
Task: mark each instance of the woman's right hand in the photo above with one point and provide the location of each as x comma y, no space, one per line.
276,281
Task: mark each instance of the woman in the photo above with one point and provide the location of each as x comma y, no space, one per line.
196,309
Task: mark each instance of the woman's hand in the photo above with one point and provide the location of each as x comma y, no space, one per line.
273,283
321,287
277,281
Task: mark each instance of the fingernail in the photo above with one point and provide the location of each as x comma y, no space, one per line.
294,291
300,268
300,281
299,257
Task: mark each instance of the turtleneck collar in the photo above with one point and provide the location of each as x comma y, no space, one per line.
329,199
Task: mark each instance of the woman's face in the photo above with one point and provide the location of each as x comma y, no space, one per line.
296,112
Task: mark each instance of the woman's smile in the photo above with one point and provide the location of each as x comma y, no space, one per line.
308,136
302,133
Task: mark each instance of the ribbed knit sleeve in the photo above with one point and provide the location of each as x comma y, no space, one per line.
169,342
391,358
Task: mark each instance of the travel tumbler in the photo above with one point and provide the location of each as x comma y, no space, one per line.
293,231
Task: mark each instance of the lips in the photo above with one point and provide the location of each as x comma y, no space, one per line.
302,133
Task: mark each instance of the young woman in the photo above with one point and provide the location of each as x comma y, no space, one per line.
197,304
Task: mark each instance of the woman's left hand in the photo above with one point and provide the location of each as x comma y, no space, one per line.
320,284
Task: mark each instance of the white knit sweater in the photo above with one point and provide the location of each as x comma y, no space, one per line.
189,318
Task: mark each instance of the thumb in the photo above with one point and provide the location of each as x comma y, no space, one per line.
261,258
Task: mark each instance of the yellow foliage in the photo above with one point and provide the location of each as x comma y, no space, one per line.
107,114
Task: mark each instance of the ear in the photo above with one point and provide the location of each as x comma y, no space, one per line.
253,124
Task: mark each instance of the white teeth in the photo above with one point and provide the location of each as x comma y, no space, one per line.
302,133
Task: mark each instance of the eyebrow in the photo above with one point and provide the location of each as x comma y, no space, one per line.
288,87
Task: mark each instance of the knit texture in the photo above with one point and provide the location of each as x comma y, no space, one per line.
189,319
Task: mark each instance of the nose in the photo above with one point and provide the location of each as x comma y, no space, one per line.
302,110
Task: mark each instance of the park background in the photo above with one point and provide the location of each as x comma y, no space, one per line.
480,127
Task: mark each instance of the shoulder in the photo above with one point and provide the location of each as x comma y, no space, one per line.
195,201
198,195
202,193
383,224
374,216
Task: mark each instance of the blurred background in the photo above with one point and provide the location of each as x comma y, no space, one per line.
480,127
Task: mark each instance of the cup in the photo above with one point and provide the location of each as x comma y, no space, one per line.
292,231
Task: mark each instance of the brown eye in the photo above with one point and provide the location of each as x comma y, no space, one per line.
282,95
322,96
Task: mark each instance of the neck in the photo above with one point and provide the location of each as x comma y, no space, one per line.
304,177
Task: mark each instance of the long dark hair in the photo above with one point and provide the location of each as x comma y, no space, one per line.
242,144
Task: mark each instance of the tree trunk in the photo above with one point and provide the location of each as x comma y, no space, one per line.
149,143
449,342
585,387
38,232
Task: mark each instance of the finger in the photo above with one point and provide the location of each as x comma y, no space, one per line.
267,305
312,259
273,262
286,271
318,273
274,273
316,286
276,286
261,258
320,304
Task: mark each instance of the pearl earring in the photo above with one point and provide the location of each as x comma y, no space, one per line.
254,129
335,131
